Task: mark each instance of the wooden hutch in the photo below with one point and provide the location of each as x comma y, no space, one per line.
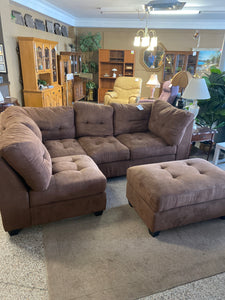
176,61
39,62
71,62
122,60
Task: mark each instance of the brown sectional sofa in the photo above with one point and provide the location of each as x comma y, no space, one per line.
54,161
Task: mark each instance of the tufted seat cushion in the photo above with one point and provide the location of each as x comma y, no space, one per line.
64,147
72,177
168,185
145,144
104,149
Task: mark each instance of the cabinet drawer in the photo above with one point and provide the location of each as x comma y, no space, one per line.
202,137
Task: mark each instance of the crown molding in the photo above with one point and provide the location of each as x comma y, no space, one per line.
48,9
154,24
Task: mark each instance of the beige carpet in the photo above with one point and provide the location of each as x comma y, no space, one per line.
114,257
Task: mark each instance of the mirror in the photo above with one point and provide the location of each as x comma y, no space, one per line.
153,59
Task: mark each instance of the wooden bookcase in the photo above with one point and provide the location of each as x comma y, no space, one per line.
122,60
176,61
39,62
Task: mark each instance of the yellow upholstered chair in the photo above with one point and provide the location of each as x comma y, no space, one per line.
126,90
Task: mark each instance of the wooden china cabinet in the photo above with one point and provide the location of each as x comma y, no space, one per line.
176,61
71,62
39,63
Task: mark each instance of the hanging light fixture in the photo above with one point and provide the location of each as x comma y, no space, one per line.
146,37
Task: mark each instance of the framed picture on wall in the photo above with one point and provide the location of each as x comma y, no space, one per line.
2,60
206,59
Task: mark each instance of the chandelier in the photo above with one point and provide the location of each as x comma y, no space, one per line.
146,37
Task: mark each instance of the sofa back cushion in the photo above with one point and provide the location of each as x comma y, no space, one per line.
26,154
54,122
127,118
169,122
93,119
16,114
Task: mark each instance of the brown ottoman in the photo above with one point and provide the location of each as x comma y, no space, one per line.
175,193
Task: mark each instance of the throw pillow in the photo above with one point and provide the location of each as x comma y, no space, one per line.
26,154
169,122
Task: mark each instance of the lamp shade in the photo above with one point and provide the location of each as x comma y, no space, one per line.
153,81
196,89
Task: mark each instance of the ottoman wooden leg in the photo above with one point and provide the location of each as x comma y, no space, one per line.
154,234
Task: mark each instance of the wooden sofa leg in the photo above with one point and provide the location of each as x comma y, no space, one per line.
222,217
153,234
98,213
14,232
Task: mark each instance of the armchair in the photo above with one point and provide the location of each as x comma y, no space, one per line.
169,92
126,90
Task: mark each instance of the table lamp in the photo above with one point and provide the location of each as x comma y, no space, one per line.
196,90
153,83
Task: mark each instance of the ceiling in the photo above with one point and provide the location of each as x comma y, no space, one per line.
129,13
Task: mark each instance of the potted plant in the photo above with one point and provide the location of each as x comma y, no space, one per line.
90,42
90,85
212,111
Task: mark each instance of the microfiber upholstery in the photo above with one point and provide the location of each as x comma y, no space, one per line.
16,114
145,144
93,119
127,118
26,154
168,185
169,122
54,122
104,149
73,177
64,147
125,90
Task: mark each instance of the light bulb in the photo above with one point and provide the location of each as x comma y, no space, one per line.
137,41
145,41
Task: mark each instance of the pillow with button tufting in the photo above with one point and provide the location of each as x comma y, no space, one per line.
93,119
54,122
128,118
169,122
16,114
26,154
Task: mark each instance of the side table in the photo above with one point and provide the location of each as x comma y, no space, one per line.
203,134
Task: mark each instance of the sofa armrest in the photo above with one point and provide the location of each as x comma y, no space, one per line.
14,200
108,97
183,148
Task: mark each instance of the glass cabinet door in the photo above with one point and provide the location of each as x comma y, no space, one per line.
54,65
191,63
39,58
47,57
65,69
180,63
169,66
